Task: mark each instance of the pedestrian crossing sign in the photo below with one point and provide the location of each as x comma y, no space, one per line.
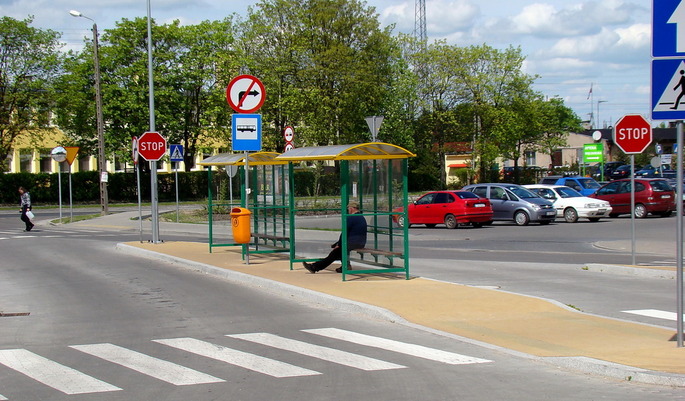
176,153
668,89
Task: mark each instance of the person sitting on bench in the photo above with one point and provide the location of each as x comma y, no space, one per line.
356,238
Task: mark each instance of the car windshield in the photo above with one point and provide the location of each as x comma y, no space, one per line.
660,186
521,192
566,192
588,183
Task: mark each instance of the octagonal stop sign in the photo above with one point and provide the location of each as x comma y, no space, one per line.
152,146
632,134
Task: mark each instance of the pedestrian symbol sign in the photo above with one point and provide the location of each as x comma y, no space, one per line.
668,89
176,153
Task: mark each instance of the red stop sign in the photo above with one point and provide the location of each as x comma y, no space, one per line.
152,146
632,134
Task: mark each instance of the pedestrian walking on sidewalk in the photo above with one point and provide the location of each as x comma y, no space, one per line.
25,207
356,238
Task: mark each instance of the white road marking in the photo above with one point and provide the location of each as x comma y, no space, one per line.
397,346
317,351
53,374
239,358
2,398
659,314
157,368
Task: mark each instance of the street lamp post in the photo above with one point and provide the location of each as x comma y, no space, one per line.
598,120
102,162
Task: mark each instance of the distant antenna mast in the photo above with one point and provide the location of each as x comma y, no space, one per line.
420,23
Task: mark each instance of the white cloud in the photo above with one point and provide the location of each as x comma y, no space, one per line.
545,19
442,16
618,45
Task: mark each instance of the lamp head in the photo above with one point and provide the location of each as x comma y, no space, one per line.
75,13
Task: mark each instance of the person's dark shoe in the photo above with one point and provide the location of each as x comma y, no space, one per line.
309,267
29,228
338,270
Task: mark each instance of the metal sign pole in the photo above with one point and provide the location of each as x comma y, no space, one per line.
247,202
153,164
59,183
71,203
632,206
140,203
176,178
679,234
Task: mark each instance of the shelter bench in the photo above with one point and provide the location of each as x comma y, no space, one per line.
378,252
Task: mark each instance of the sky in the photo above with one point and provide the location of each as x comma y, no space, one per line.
595,55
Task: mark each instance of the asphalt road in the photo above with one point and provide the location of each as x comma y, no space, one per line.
100,324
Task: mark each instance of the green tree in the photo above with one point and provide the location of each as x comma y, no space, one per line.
530,123
326,65
29,61
191,65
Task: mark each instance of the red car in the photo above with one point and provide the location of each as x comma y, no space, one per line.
450,208
652,195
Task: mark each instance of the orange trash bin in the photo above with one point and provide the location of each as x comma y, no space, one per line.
240,220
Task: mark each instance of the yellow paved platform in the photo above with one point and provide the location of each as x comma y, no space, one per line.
517,322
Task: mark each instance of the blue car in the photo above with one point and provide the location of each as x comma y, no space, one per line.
585,185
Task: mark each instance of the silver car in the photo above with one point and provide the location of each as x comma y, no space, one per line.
511,202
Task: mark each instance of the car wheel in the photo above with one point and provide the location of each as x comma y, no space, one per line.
521,218
593,219
431,225
451,221
640,211
400,221
570,215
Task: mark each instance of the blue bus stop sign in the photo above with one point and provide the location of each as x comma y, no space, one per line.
247,132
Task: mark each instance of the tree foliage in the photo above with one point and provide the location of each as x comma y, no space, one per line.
191,64
326,65
29,62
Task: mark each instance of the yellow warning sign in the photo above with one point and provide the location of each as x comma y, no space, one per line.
72,151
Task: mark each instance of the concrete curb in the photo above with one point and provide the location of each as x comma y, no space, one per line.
578,364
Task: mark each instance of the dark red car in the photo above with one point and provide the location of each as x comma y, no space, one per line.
450,208
652,196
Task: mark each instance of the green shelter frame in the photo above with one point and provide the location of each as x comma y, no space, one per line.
267,201
376,174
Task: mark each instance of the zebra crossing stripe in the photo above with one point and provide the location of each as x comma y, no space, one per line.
238,358
52,374
659,314
157,368
2,398
397,346
317,351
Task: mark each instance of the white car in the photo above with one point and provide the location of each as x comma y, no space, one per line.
570,204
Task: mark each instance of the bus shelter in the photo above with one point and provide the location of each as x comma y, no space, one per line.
266,197
375,175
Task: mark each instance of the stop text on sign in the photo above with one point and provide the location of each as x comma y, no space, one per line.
633,133
152,146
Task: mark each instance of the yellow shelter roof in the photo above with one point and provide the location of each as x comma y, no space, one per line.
359,151
254,159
